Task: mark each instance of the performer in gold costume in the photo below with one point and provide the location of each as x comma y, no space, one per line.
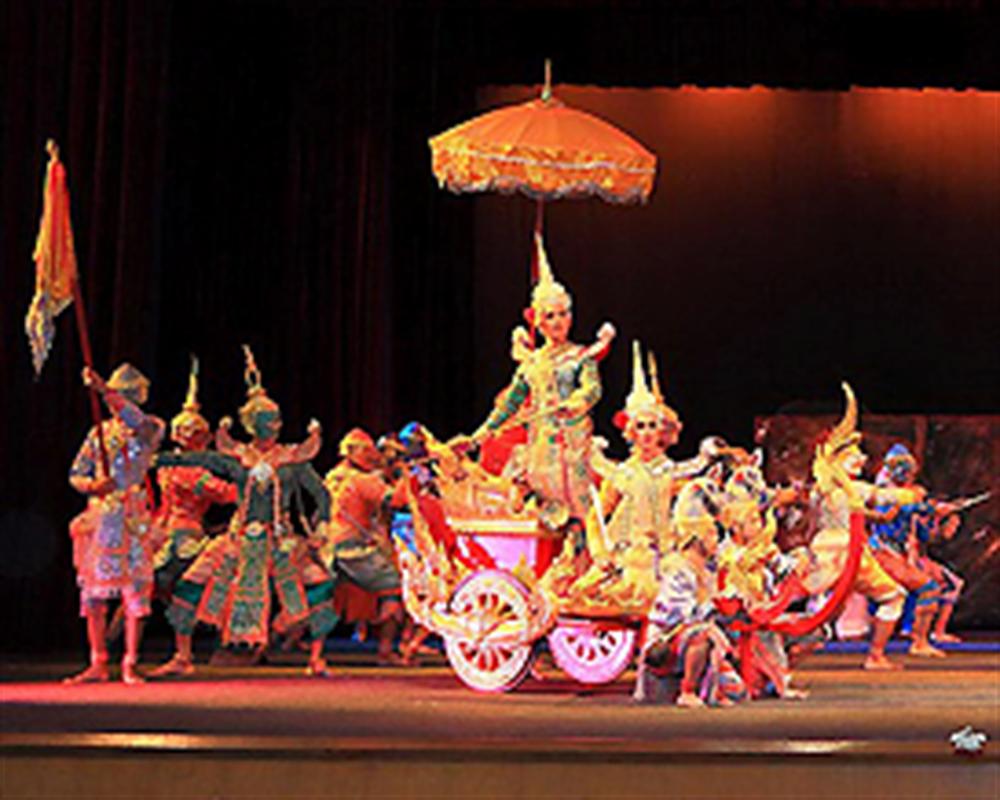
840,493
635,498
553,391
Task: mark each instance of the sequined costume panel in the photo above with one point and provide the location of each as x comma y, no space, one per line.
112,537
230,585
186,494
555,458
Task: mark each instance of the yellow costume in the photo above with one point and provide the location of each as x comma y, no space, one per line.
563,384
636,493
839,492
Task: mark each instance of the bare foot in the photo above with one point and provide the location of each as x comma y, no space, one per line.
176,666
879,663
925,650
408,652
946,638
319,669
130,677
689,700
795,694
95,673
389,660
411,653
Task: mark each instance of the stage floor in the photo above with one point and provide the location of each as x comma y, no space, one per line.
379,732
390,706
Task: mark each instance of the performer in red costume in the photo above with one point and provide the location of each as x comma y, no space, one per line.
186,494
358,546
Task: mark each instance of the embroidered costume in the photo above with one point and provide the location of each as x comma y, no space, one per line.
682,638
899,538
186,494
840,494
358,546
231,584
553,391
112,537
750,566
635,497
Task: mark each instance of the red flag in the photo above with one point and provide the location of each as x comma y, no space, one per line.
55,263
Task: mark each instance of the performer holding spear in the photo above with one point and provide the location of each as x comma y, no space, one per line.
110,538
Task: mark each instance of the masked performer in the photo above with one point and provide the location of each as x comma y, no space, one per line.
899,538
563,384
358,546
111,539
635,498
843,500
682,637
230,585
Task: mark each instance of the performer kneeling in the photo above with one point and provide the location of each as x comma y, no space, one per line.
111,548
682,636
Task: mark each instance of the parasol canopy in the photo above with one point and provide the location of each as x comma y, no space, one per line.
545,150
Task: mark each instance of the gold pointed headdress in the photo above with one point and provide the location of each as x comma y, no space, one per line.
190,416
827,469
654,385
548,291
844,433
654,377
640,398
257,399
647,397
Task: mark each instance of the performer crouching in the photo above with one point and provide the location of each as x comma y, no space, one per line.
749,566
111,547
682,637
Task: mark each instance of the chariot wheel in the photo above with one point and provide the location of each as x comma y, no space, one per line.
493,604
592,652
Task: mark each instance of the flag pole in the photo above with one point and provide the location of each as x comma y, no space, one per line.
88,356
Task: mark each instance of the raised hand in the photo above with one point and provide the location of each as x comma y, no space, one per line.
92,380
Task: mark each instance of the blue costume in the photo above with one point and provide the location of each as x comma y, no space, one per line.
898,524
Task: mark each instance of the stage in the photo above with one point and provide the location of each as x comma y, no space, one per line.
374,731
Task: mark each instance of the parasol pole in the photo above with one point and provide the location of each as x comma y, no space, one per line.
540,202
539,231
88,356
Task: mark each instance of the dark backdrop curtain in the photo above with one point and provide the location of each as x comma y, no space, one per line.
258,172
94,76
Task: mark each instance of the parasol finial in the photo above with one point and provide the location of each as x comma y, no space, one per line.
547,87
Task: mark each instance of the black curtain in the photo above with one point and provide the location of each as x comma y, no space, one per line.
258,172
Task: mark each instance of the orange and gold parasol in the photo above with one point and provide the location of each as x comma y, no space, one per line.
545,150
